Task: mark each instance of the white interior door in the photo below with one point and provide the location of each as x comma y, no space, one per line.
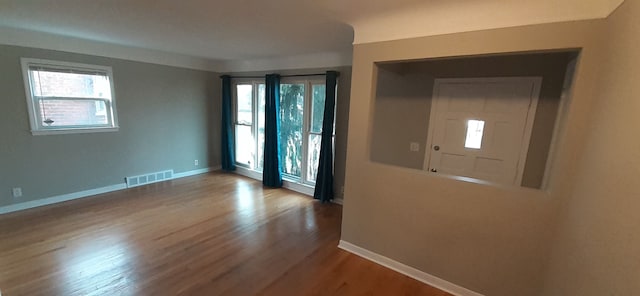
480,127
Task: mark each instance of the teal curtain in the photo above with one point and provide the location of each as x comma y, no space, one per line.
324,179
228,144
271,174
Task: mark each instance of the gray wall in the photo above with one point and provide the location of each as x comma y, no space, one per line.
495,240
401,115
168,118
403,103
342,116
595,251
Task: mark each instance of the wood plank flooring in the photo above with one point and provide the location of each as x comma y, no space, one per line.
212,234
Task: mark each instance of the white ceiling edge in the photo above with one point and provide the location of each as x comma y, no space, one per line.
429,21
26,38
304,61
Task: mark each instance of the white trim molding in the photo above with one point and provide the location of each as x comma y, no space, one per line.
86,193
60,198
196,172
407,270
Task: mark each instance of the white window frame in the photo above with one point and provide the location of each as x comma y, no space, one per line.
306,126
255,83
37,128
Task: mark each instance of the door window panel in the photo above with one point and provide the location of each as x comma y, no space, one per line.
475,130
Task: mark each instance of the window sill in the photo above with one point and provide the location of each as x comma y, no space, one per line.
74,131
506,187
286,182
298,187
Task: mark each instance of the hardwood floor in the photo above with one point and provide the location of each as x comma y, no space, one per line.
213,234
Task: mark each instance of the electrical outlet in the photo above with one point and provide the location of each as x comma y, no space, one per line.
17,192
196,162
414,147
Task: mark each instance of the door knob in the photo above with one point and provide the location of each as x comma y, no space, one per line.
436,147
434,170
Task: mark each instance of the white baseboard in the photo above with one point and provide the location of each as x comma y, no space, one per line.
60,198
87,193
339,201
407,270
196,172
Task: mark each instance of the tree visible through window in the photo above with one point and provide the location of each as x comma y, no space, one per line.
291,127
315,131
301,115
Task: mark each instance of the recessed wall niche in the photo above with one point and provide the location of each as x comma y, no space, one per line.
492,118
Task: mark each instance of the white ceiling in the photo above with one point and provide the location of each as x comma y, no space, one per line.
241,32
240,29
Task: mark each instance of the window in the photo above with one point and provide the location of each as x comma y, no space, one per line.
69,97
292,103
475,130
301,115
249,124
318,92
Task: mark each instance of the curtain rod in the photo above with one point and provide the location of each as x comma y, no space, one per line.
293,75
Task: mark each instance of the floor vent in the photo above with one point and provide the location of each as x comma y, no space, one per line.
149,178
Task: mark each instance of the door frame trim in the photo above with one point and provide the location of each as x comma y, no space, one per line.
533,105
